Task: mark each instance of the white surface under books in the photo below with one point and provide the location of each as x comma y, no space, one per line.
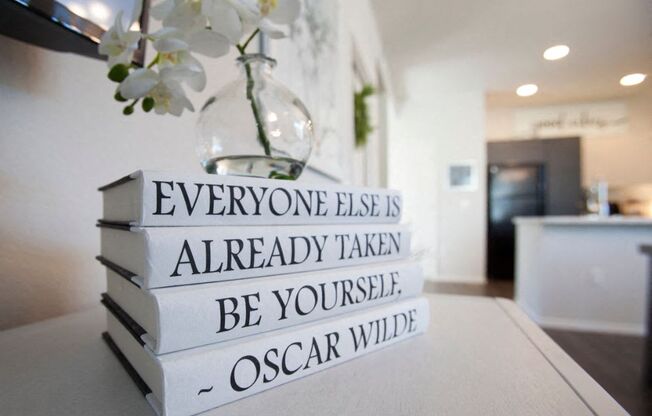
479,356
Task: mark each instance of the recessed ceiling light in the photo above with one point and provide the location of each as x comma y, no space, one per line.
527,90
556,52
632,79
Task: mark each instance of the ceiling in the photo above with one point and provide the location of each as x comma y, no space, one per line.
501,42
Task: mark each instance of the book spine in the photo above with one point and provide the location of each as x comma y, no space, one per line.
169,200
211,377
213,313
176,256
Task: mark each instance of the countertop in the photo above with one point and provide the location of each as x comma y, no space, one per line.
588,220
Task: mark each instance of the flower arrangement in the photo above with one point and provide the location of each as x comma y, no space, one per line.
189,27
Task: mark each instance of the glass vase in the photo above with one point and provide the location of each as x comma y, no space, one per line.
254,126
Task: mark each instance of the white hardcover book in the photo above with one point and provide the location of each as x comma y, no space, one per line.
148,198
171,256
192,381
182,317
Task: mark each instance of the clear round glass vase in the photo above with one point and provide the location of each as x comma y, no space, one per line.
254,126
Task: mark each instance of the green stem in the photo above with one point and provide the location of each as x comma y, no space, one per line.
262,135
154,61
130,108
249,39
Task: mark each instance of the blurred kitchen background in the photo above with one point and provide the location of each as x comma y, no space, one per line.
519,132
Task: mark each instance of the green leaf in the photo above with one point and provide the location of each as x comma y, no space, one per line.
148,104
362,122
282,176
119,97
128,110
118,73
368,90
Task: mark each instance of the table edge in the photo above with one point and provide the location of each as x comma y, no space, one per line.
596,398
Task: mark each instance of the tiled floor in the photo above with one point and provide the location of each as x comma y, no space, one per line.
614,361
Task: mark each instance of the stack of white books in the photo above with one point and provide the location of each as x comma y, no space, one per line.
220,287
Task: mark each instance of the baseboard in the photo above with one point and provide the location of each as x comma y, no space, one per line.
583,325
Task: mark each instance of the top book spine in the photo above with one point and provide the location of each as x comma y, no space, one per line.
154,199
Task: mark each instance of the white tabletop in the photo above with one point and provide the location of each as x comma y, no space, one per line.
480,356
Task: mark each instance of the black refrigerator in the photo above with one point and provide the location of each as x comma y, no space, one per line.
514,190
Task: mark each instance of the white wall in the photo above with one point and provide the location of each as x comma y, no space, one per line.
441,121
354,33
62,136
620,159
366,49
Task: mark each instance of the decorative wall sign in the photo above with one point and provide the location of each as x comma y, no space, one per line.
609,117
463,176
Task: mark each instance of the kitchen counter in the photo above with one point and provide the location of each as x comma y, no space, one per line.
583,273
617,220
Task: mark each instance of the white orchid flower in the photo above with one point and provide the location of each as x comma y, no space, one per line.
139,83
269,15
208,43
169,39
194,15
278,13
163,87
174,53
208,27
191,26
230,18
162,9
169,96
182,14
224,18
119,45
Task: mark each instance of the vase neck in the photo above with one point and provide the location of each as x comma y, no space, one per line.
256,62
